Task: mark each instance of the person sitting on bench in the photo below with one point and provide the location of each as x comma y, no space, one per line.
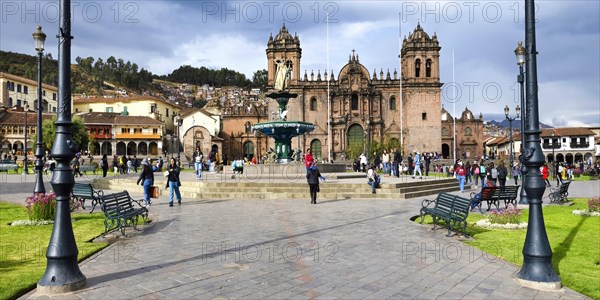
476,200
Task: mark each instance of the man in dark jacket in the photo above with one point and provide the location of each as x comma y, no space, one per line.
312,177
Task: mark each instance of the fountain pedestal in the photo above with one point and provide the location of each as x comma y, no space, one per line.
283,131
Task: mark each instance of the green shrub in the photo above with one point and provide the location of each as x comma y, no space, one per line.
41,206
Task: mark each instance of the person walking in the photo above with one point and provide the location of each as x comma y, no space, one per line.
502,174
308,160
115,164
104,165
515,172
427,163
417,165
385,158
136,164
312,177
173,182
461,173
410,165
545,174
363,162
147,180
198,157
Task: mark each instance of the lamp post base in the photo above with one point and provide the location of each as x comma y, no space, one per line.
543,286
62,276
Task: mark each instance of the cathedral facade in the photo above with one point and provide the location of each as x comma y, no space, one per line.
390,109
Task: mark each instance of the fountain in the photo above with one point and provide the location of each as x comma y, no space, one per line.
282,131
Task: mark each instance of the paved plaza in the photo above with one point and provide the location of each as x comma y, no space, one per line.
290,249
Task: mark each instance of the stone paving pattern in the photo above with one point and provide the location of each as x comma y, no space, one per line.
290,249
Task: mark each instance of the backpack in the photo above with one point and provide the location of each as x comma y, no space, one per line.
482,169
476,171
494,173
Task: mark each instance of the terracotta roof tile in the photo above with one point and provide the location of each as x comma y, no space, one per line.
14,117
116,118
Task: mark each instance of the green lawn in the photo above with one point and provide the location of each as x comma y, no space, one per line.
575,243
23,248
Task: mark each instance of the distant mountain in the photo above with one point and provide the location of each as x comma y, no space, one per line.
515,124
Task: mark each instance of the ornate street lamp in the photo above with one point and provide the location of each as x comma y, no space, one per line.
25,171
62,271
520,55
537,271
510,139
40,38
178,122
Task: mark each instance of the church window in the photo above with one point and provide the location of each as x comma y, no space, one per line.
354,102
392,103
423,116
313,103
444,131
248,127
418,68
468,131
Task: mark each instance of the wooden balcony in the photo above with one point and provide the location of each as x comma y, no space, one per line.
137,136
579,145
101,136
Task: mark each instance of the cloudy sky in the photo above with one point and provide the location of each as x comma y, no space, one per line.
481,36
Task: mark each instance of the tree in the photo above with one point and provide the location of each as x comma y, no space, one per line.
80,135
260,79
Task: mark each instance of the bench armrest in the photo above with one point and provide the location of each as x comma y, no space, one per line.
427,202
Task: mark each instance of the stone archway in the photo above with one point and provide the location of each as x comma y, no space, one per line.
121,148
131,148
142,148
106,148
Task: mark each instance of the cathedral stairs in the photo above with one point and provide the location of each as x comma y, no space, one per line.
332,188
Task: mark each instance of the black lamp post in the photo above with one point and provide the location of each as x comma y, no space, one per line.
553,158
40,38
520,55
537,271
25,171
178,122
510,139
62,271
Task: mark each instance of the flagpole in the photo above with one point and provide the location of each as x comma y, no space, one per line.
401,98
453,108
328,100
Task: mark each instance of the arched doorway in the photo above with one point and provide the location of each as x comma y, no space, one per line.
5,147
549,158
578,158
142,148
131,148
153,148
121,148
96,150
560,157
248,150
569,158
106,148
315,148
445,151
356,141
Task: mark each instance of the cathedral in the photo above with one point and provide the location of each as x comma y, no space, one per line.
395,109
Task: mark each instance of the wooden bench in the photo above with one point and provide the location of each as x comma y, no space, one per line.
452,209
84,191
119,211
487,194
559,194
88,168
5,167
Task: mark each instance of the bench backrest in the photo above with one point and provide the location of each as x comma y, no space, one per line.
83,189
507,192
109,205
454,205
124,201
564,187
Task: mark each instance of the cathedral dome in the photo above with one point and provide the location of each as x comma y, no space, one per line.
283,35
419,34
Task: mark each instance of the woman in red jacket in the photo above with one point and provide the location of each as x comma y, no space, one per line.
308,160
544,170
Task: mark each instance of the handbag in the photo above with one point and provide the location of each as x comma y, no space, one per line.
154,191
166,173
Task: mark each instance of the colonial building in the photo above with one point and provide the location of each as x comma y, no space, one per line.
238,118
365,107
199,129
146,106
469,135
14,123
120,134
15,91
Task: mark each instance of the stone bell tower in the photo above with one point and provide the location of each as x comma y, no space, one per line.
285,48
421,92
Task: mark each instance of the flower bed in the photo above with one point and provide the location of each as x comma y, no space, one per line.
586,213
31,222
485,223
